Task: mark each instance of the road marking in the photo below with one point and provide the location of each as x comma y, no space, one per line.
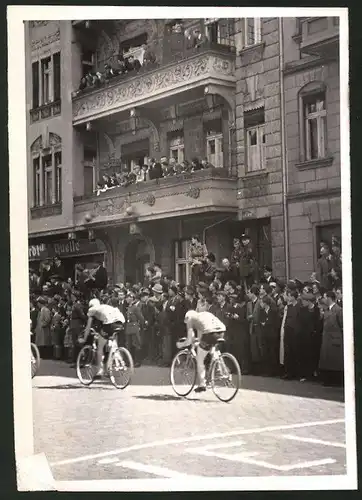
203,437
246,458
314,441
217,446
152,469
108,461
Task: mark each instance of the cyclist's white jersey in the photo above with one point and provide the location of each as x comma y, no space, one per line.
206,322
106,314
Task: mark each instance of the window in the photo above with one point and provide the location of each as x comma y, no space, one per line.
90,174
214,149
249,32
58,176
35,82
87,62
255,140
314,108
220,31
56,76
46,80
47,171
182,264
177,149
36,179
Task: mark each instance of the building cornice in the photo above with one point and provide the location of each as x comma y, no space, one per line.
310,195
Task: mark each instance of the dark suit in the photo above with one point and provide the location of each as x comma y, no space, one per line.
148,332
291,335
155,172
331,356
240,338
270,341
254,314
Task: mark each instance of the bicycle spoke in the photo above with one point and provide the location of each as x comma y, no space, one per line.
225,377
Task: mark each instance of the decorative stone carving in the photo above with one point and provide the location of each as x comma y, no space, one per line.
146,85
109,207
37,145
150,200
47,40
54,140
37,24
193,192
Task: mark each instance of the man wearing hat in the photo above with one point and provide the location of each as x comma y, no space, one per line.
238,330
134,324
43,329
148,333
269,337
247,265
175,313
267,276
309,325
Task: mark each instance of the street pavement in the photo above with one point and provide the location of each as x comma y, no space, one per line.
272,428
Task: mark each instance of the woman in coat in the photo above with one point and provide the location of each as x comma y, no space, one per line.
43,329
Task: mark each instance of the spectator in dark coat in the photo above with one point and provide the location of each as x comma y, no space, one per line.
239,331
331,363
324,267
77,323
270,336
155,170
148,333
309,325
291,334
254,314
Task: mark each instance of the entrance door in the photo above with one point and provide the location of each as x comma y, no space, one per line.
136,260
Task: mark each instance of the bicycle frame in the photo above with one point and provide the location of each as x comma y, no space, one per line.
111,345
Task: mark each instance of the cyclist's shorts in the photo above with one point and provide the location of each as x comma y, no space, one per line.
208,340
108,330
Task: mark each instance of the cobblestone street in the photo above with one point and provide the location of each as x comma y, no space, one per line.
273,427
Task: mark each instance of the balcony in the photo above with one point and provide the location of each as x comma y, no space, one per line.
45,111
320,36
210,190
181,70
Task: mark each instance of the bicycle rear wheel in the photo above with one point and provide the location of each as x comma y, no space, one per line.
86,365
35,359
225,377
183,373
121,368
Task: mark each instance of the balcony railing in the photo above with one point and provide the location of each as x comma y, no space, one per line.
206,190
320,36
181,67
46,111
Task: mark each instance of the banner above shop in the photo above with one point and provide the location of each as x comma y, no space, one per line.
65,248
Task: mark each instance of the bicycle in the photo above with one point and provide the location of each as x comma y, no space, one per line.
118,362
35,359
217,372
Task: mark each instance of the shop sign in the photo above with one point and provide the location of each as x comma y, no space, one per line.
38,251
65,248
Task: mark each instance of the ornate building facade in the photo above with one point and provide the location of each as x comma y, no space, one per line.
213,89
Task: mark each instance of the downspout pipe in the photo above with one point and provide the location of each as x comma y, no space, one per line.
284,149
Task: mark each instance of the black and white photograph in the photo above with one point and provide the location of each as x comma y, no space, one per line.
181,264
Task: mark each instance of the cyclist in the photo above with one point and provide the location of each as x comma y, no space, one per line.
111,319
208,330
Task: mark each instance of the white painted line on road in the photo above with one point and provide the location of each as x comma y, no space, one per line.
152,469
246,459
203,437
218,446
314,441
108,461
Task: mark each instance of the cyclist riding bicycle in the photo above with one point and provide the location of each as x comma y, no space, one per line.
208,330
110,318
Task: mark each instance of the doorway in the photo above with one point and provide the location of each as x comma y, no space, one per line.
137,258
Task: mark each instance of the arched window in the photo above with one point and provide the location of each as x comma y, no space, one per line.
47,170
313,121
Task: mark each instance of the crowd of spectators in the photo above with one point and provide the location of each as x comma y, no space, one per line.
129,64
153,170
293,330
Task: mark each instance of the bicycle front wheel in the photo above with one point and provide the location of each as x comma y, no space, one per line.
121,368
86,365
225,377
35,360
183,373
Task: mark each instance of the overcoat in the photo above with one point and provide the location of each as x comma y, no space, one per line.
331,356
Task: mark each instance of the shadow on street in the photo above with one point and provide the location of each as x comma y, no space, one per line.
148,375
167,397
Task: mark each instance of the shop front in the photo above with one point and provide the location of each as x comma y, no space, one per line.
71,252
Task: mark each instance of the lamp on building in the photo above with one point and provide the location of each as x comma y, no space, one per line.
133,118
210,101
88,126
72,236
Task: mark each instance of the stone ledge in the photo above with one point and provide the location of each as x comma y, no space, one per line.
324,193
320,162
252,175
252,53
46,211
